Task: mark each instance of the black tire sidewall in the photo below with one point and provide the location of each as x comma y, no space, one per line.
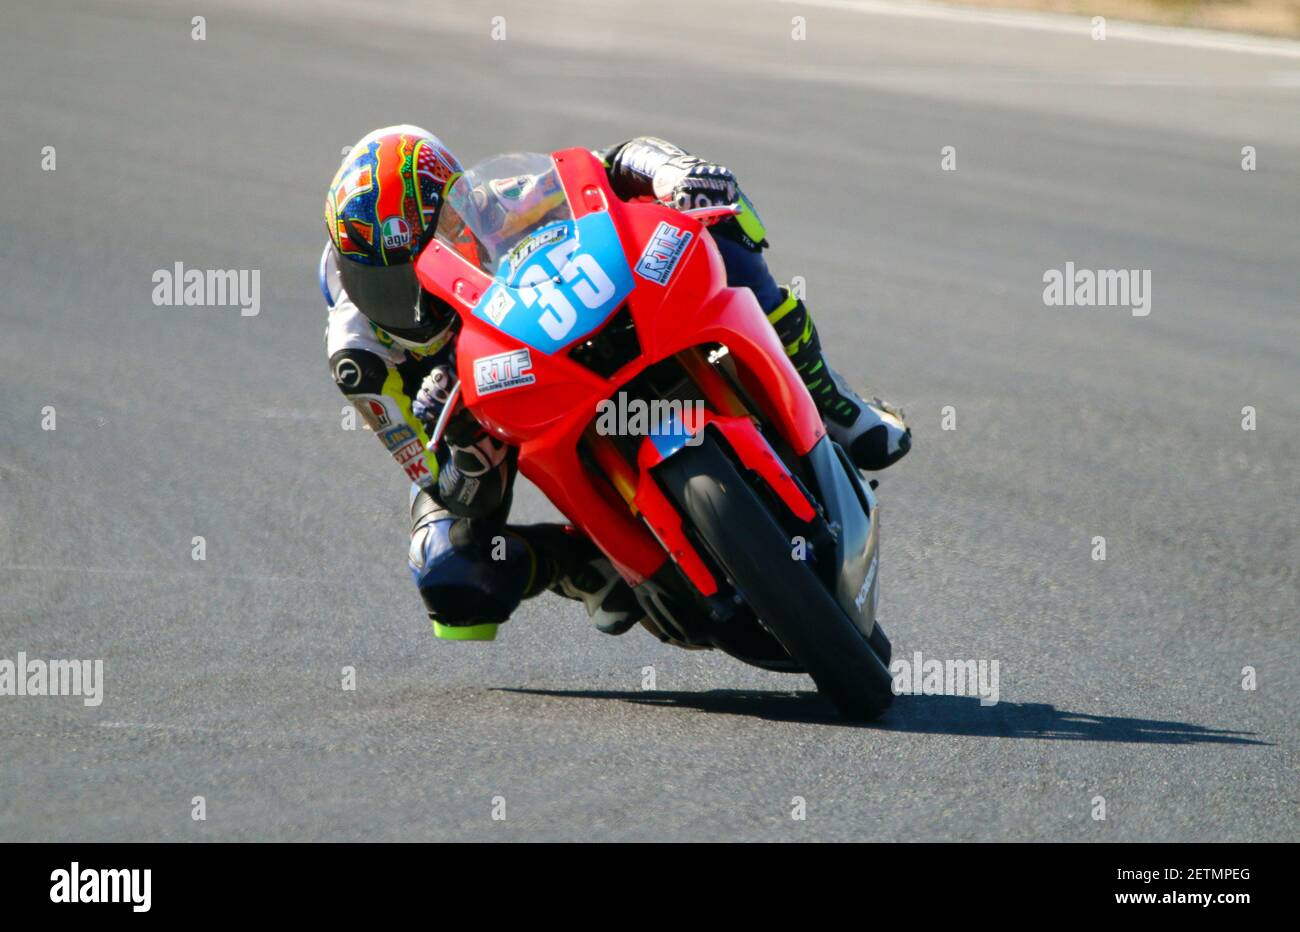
745,539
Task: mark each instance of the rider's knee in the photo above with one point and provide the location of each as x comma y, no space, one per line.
466,578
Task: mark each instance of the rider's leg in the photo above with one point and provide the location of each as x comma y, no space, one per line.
472,573
872,432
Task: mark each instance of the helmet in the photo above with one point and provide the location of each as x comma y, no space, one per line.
380,210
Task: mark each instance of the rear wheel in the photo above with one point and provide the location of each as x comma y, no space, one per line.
736,528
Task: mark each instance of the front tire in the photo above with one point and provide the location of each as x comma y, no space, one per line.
739,532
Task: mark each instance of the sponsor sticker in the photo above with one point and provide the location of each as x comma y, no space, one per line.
662,253
503,371
347,373
866,585
416,469
406,454
410,456
396,232
543,237
510,188
499,306
393,439
374,413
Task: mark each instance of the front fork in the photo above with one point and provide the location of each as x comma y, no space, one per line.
731,418
718,394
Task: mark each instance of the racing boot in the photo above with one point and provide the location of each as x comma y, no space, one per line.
570,565
872,432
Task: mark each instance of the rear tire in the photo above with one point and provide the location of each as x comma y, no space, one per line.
743,538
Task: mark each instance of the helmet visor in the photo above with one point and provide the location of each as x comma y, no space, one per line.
389,295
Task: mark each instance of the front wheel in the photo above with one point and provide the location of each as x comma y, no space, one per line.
736,528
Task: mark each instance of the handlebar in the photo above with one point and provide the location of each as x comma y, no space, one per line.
444,417
711,215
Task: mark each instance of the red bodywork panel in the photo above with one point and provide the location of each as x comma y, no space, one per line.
546,419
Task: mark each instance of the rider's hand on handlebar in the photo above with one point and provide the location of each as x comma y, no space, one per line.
705,185
433,394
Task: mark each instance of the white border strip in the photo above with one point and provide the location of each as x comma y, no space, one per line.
1069,24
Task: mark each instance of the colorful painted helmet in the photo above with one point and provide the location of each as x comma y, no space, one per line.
380,210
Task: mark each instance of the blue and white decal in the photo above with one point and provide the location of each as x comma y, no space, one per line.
395,437
503,371
662,253
542,236
562,288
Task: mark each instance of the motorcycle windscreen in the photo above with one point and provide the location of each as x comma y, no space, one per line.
489,210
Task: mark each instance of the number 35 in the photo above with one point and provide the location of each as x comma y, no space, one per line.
588,280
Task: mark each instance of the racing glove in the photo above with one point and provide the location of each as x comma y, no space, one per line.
703,184
477,475
649,167
432,395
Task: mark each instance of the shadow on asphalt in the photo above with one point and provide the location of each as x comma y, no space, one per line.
936,715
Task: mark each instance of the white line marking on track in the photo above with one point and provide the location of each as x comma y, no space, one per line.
1068,24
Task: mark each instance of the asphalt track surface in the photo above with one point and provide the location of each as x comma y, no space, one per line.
1120,679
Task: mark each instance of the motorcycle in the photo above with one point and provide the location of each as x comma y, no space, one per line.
738,523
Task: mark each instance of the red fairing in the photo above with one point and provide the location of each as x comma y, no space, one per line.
754,452
547,417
